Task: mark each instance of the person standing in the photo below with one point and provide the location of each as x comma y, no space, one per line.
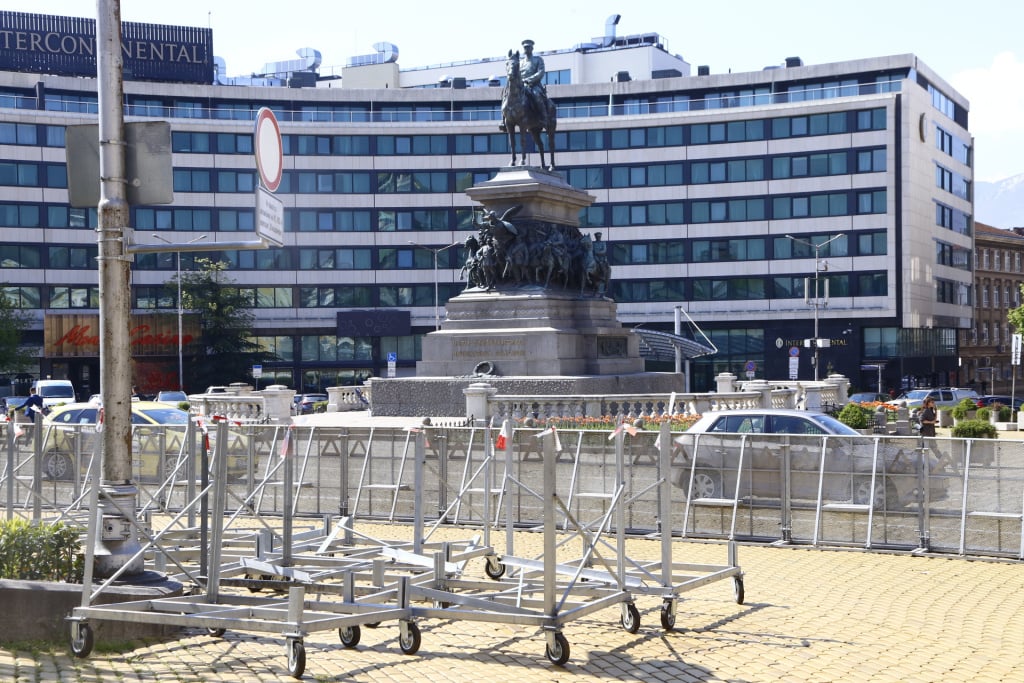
33,405
929,417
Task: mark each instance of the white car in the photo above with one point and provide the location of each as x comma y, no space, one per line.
779,445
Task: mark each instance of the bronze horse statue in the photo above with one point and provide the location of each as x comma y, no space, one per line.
518,111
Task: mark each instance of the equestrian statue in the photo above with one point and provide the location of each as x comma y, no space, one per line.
525,105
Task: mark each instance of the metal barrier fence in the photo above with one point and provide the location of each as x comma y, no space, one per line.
954,496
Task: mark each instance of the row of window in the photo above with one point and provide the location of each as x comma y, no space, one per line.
326,348
584,178
1011,296
572,141
383,296
998,260
952,182
402,220
35,135
952,145
952,219
861,243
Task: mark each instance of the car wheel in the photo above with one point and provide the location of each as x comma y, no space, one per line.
57,465
705,485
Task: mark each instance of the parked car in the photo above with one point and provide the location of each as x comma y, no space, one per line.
14,403
868,397
987,400
171,397
158,431
771,440
944,398
304,402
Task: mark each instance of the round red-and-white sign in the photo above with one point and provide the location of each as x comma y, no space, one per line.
269,149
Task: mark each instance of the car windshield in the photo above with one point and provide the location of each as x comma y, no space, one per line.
166,416
917,394
56,391
171,396
833,425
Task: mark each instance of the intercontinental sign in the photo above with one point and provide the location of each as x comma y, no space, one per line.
66,46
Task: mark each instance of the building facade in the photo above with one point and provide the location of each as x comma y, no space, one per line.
798,205
985,348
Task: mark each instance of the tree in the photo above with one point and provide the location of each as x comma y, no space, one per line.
226,350
13,323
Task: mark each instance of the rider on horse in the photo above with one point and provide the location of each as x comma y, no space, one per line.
531,69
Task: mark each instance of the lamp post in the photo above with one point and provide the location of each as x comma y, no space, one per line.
177,270
435,251
817,299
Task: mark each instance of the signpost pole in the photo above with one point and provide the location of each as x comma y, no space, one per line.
119,493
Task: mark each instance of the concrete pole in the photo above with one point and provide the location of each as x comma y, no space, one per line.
118,541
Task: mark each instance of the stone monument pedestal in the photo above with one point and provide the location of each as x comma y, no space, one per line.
535,318
526,333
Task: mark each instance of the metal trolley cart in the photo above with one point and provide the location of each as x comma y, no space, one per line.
293,616
548,592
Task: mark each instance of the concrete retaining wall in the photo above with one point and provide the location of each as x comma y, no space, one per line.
36,610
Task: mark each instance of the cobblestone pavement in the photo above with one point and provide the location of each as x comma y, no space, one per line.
809,615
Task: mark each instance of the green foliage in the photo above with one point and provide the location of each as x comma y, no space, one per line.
226,349
984,414
961,409
856,416
13,322
974,429
1005,413
46,552
184,405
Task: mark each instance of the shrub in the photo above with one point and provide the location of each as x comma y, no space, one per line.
974,429
984,414
1002,412
961,409
853,415
40,552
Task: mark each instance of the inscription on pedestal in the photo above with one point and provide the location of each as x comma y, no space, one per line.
489,347
611,347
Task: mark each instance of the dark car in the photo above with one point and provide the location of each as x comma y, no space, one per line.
987,401
304,402
758,447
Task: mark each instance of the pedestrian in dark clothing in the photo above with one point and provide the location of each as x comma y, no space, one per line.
33,404
928,418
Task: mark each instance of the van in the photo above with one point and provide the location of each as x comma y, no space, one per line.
54,392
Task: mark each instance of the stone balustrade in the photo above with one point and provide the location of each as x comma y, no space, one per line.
340,399
483,400
242,408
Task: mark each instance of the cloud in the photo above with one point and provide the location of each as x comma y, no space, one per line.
995,94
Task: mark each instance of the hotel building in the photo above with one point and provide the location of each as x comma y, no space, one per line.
775,207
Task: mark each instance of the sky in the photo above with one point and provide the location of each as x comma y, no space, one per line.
976,47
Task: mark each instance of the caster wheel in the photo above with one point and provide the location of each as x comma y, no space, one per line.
558,651
630,618
349,635
215,632
409,638
668,617
494,569
737,589
296,658
81,645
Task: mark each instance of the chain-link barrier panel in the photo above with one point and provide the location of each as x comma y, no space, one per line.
943,495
